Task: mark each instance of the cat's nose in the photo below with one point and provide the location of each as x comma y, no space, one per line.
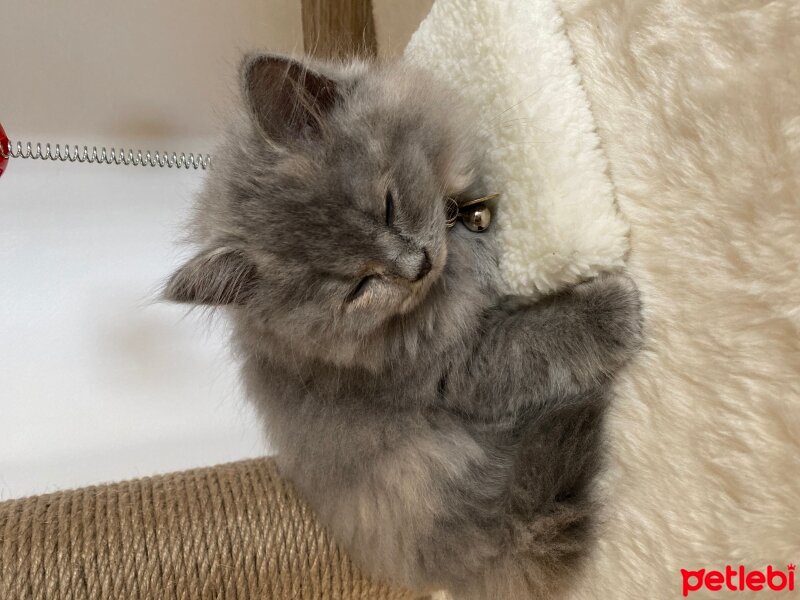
425,265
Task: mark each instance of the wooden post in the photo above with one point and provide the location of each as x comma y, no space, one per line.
339,28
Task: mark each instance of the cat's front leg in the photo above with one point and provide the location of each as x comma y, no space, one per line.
560,345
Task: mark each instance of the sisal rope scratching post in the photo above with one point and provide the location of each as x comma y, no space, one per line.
230,532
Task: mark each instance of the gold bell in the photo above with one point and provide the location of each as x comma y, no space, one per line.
476,218
475,213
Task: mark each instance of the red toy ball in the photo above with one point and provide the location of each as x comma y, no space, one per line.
5,150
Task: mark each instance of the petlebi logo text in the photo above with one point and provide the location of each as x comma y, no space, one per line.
738,579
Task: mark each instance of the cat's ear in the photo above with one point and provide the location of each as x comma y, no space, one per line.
216,277
286,98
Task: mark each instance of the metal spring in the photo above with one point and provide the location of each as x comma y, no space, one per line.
120,156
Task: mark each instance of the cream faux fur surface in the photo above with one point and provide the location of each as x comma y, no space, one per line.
557,219
698,108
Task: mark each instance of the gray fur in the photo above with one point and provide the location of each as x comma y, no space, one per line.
446,434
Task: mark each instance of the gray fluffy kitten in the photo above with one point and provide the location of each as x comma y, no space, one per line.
447,434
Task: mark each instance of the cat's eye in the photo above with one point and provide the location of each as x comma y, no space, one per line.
359,289
389,208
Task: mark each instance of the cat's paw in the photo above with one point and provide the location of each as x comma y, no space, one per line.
613,309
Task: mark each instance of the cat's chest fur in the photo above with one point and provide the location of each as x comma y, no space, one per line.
351,412
409,382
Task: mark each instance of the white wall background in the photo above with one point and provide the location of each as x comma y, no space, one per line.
148,69
97,381
131,70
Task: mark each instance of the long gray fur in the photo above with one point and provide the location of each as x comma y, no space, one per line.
446,434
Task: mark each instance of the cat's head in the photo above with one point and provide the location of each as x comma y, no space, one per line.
323,218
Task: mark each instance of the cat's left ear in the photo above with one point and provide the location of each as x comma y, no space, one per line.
286,98
216,277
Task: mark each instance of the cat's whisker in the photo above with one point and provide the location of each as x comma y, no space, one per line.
515,105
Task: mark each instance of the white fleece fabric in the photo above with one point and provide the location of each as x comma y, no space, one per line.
697,104
556,219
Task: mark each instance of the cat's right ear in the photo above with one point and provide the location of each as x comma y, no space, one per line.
285,98
215,278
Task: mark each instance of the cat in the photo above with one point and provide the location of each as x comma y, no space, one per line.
448,435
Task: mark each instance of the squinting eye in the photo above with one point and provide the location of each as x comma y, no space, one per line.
361,286
389,208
